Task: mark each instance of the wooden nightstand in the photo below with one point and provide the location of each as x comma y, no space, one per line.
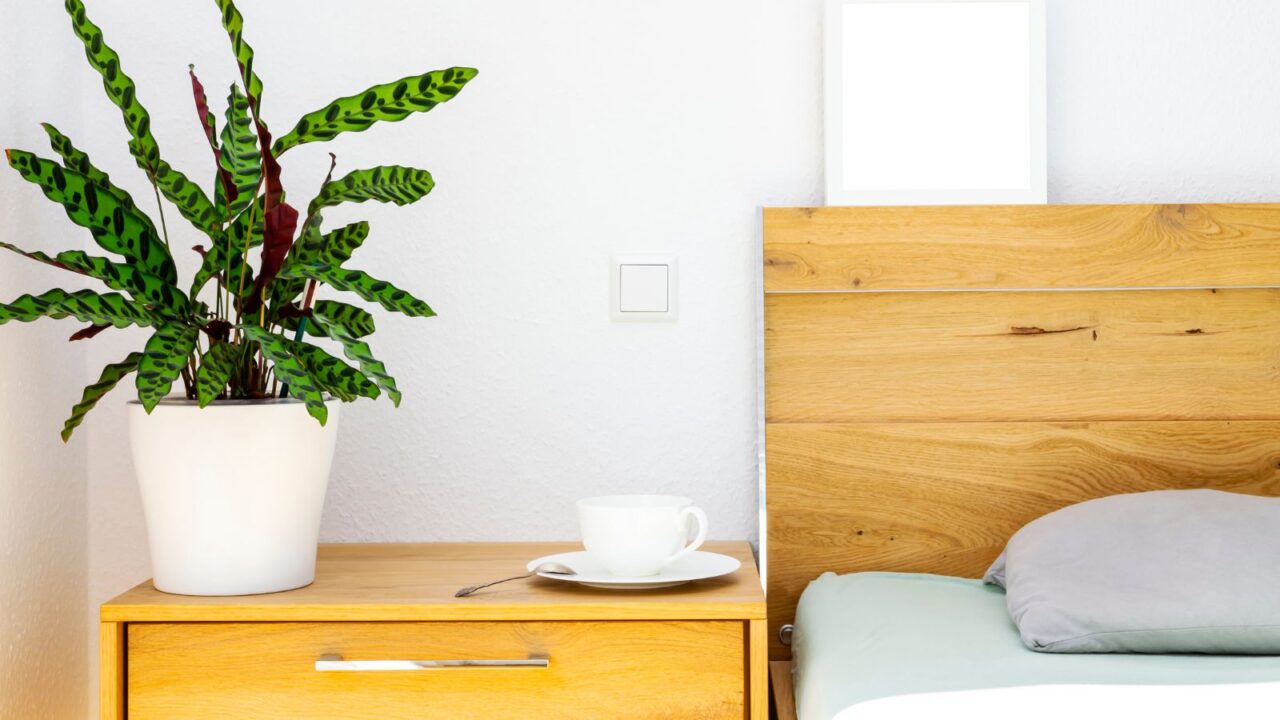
562,651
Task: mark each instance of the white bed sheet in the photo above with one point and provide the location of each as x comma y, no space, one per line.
1251,701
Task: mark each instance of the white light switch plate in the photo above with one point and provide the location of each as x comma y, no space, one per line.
642,288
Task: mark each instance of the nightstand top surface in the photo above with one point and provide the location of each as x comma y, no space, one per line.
416,582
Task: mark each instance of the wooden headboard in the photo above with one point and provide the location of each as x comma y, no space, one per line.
935,377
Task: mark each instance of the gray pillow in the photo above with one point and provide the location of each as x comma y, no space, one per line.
1172,571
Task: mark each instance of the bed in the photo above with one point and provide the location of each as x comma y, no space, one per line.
936,377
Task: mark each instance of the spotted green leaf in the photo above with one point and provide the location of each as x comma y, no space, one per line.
238,155
117,276
163,359
111,376
303,252
84,305
233,23
370,288
333,375
74,159
214,262
119,86
357,322
190,200
216,368
116,225
358,351
390,102
290,370
387,183
336,247
233,243
332,248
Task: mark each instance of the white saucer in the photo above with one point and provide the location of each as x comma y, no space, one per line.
696,565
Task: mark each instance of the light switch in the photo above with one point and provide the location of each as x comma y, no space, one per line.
643,288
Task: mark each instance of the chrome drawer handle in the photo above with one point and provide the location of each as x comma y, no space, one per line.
335,663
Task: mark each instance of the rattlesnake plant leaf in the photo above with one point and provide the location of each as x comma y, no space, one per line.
357,351
336,247
84,305
212,262
163,359
116,225
207,122
388,183
370,288
75,159
119,86
224,187
280,220
117,276
232,242
216,368
355,322
87,332
305,251
289,369
390,102
332,374
111,376
215,262
238,155
189,199
276,251
233,23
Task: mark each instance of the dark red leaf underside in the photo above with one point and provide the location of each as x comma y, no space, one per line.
280,219
210,132
86,333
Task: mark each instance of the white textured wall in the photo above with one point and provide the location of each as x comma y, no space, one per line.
43,528
595,127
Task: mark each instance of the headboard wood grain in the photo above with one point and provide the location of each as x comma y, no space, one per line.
937,377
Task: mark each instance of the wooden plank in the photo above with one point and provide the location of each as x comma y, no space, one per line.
784,699
111,674
945,497
417,582
266,671
1187,354
1021,246
758,669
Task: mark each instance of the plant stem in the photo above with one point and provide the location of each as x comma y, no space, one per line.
226,277
187,383
244,256
160,207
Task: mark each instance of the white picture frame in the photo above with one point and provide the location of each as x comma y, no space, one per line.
926,102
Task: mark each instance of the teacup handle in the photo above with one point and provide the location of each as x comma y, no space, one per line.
700,538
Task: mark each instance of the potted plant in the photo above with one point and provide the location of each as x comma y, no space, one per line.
233,472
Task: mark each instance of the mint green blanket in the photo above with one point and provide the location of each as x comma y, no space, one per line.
872,635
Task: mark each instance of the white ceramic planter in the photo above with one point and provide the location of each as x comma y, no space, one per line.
232,493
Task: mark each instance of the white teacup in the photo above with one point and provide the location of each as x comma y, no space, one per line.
638,535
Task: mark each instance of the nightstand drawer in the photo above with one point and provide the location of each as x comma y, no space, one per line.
269,671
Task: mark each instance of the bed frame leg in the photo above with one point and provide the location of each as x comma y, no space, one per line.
784,699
